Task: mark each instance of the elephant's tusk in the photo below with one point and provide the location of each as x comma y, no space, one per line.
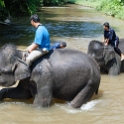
15,85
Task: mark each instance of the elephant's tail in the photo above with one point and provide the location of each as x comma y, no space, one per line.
96,92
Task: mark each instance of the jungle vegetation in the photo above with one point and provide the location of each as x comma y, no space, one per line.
113,8
16,8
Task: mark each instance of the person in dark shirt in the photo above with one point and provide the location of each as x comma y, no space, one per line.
111,38
58,45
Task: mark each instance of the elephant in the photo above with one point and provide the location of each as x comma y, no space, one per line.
108,60
65,74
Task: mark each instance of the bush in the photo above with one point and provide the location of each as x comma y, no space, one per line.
112,8
17,7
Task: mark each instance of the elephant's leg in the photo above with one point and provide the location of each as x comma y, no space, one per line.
114,70
114,66
15,93
43,98
84,95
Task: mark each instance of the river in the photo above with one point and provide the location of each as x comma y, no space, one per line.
77,26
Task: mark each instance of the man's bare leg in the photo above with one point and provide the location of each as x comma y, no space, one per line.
122,57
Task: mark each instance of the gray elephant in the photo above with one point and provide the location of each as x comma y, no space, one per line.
65,74
106,57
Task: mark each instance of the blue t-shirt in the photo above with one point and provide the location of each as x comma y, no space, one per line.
110,34
55,46
42,37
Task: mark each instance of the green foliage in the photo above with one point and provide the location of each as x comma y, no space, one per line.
2,6
2,3
109,7
71,1
17,7
113,8
33,5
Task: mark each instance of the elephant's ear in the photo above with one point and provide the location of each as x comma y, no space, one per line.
109,55
21,70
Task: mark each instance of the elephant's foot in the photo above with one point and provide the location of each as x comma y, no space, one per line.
41,102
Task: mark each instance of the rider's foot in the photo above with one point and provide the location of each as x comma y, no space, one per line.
122,57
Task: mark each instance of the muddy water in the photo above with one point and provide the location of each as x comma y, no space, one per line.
77,26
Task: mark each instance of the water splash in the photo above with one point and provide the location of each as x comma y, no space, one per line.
90,105
86,107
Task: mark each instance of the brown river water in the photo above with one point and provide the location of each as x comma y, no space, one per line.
77,25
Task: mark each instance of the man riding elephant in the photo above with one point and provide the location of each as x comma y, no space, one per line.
108,60
111,38
41,44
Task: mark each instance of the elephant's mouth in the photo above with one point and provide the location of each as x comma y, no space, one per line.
15,85
99,60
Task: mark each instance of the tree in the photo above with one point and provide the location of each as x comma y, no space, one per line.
17,7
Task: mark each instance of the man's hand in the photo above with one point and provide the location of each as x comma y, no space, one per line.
32,47
106,41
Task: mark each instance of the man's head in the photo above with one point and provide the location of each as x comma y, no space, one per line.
106,26
63,44
34,19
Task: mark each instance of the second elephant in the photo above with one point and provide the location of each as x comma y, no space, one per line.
108,60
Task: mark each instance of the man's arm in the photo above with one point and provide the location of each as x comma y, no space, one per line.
105,41
32,47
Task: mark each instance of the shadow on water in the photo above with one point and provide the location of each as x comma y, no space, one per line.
24,34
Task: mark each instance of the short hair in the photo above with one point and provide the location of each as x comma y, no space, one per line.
63,44
106,24
35,18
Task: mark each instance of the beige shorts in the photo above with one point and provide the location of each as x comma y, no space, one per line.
35,54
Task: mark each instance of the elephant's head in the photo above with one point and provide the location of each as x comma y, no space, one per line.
101,53
12,68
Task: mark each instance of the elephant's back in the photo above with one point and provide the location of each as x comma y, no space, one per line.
70,56
67,59
73,63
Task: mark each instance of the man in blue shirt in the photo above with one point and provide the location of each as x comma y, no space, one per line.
41,44
111,38
58,45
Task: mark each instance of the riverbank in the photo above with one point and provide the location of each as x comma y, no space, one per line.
111,8
89,3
